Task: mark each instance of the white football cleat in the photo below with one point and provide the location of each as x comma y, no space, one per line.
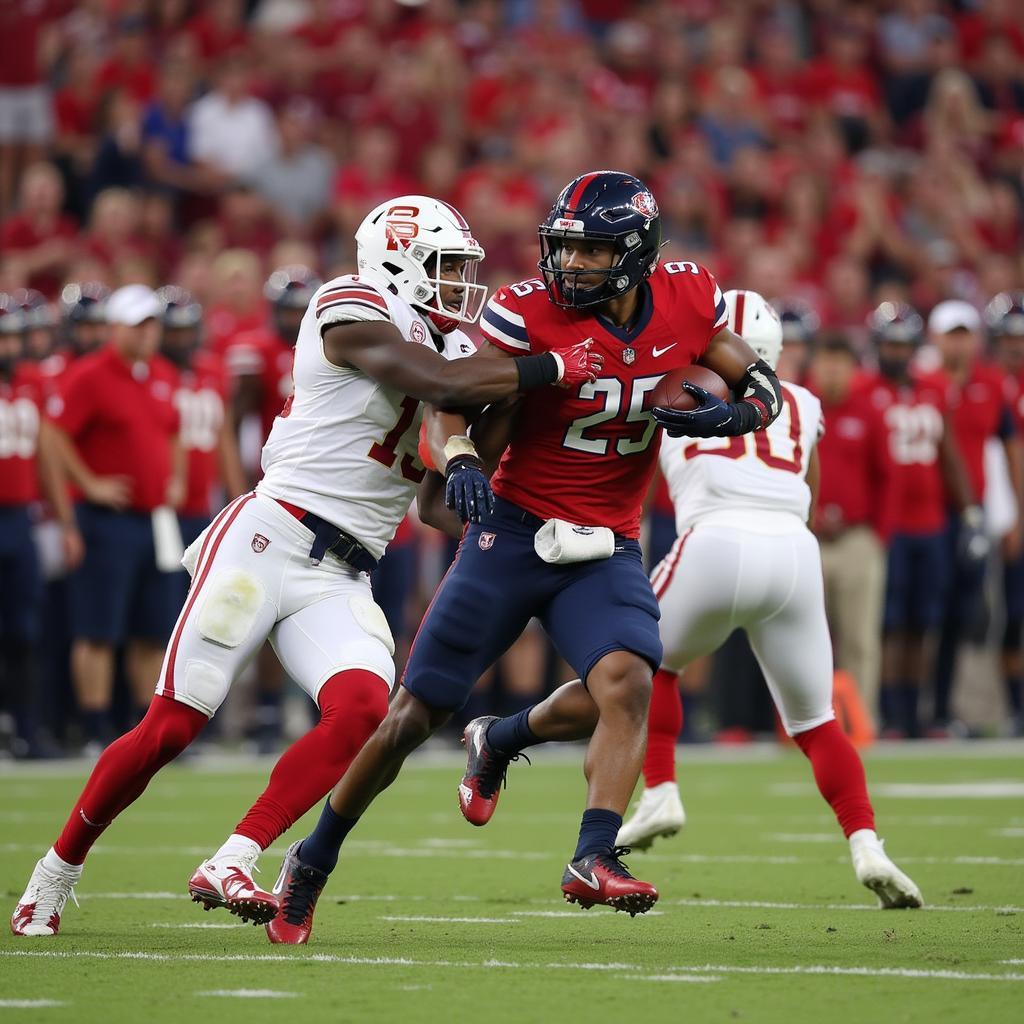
659,812
895,891
227,882
39,909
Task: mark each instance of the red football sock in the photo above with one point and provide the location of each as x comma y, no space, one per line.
124,770
352,705
664,722
839,773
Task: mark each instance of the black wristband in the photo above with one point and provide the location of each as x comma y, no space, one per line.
748,417
463,460
536,371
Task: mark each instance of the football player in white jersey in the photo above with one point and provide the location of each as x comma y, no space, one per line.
742,506
291,560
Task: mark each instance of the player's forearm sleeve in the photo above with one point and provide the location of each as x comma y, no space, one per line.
762,396
536,371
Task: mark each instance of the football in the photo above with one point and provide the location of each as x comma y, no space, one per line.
669,393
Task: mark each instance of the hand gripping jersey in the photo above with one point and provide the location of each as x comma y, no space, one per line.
755,481
345,447
588,456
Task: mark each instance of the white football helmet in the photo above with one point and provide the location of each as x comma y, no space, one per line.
405,240
756,323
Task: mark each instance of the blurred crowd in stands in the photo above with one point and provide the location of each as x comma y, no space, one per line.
840,158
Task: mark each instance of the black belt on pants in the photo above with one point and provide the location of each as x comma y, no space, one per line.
328,537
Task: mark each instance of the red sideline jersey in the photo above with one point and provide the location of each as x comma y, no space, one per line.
915,418
587,457
980,410
261,353
201,403
21,402
857,485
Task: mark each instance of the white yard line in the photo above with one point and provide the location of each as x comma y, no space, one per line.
688,978
30,1004
448,920
195,924
328,958
249,993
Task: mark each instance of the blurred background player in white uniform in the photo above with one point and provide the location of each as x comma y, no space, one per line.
746,559
291,560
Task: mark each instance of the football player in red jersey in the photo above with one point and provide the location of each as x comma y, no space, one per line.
1004,317
926,468
29,469
979,411
561,543
214,467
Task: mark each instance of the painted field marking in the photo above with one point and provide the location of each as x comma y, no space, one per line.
608,912
30,1004
196,924
386,961
873,907
448,920
983,789
691,978
803,837
249,993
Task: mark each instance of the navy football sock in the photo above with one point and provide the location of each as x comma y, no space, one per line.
321,847
598,830
512,734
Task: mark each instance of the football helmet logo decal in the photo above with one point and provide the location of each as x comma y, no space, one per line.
644,203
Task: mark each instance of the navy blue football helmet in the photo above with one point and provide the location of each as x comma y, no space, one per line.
1004,315
289,291
182,321
799,319
896,321
606,206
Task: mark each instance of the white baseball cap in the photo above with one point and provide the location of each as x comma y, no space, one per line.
133,304
952,315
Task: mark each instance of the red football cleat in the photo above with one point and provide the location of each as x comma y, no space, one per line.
485,772
297,890
603,878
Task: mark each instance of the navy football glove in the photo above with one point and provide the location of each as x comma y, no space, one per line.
467,491
711,418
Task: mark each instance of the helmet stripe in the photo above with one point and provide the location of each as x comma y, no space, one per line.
577,192
459,219
741,301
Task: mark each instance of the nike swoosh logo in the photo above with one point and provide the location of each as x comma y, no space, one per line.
591,881
465,792
661,351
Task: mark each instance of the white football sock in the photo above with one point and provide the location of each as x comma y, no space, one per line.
59,866
238,848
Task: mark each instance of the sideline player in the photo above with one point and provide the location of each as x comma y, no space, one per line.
291,560
742,508
561,543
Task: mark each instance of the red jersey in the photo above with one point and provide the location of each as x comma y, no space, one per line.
262,353
122,420
588,456
201,400
914,415
21,402
857,478
980,410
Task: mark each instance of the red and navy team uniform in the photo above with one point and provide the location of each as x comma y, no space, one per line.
263,354
586,457
121,418
979,410
201,401
918,569
21,404
1013,572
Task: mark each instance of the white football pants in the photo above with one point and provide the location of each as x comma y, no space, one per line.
717,579
252,579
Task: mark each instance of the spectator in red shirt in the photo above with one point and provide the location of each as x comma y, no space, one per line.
980,412
117,430
927,467
29,470
130,68
853,512
218,30
38,242
26,116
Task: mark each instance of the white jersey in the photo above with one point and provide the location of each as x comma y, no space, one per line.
756,481
345,447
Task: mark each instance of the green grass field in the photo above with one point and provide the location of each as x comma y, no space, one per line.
426,918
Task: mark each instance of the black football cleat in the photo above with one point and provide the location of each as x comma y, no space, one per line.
297,889
602,878
485,772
